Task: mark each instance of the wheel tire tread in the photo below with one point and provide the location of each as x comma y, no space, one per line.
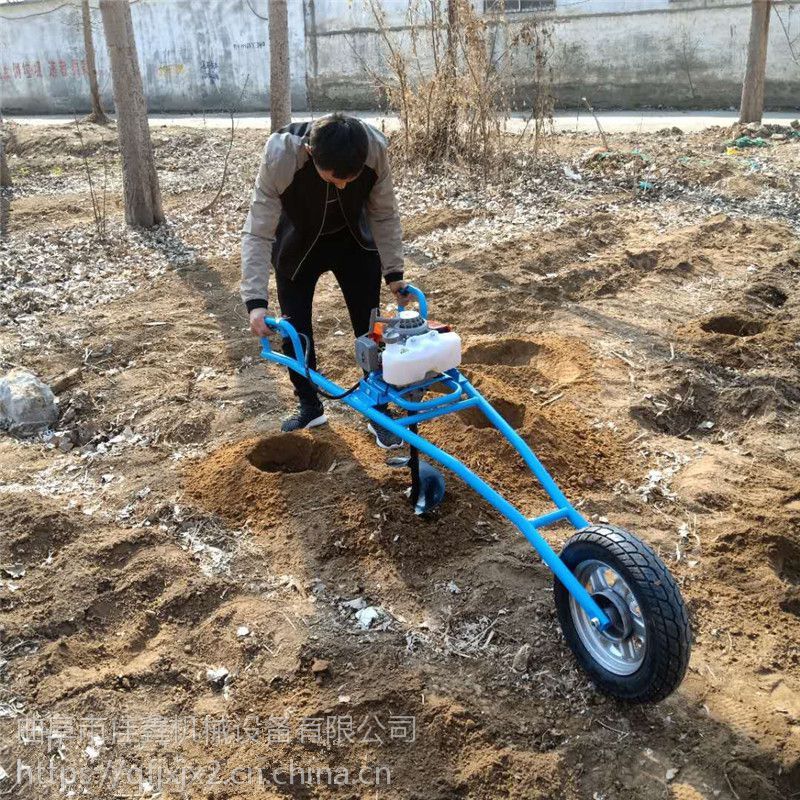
664,604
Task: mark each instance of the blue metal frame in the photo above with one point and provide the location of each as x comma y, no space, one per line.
374,391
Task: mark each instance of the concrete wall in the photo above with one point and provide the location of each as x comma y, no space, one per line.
620,53
675,57
194,55
201,55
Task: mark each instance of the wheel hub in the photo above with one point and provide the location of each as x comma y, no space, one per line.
617,611
620,648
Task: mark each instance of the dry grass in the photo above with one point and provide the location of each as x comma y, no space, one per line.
450,74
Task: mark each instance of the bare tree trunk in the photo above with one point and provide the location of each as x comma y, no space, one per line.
752,106
5,185
452,31
5,175
450,68
280,93
139,179
97,115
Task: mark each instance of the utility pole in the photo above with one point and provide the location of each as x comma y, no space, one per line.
280,90
752,106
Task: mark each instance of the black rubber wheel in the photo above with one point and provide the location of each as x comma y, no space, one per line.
644,657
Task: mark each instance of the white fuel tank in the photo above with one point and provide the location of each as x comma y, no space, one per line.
412,360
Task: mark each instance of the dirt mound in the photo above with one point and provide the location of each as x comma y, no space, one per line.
579,454
34,527
756,322
435,219
688,408
505,352
703,405
512,412
255,478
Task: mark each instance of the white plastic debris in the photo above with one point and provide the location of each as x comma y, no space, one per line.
217,675
356,604
13,570
453,588
657,484
212,560
367,616
242,631
11,709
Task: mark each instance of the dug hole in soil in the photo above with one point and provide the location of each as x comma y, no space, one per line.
168,554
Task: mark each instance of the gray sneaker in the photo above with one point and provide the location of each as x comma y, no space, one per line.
384,438
306,417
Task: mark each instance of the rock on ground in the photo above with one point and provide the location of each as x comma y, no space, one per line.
26,404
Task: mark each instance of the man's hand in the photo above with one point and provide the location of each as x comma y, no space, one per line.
396,288
257,325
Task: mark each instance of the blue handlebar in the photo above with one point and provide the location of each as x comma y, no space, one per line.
419,296
287,330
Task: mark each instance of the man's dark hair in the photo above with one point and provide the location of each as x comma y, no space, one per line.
339,145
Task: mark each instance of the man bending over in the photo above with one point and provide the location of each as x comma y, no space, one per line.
323,200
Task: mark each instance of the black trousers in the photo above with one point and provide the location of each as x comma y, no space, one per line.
358,273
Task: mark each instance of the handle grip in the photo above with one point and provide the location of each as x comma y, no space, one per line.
419,296
287,331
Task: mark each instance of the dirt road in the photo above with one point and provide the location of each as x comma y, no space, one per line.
576,121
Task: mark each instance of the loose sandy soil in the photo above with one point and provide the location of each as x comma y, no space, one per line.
645,341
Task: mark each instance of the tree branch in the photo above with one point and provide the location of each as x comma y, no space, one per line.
228,152
795,56
266,19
